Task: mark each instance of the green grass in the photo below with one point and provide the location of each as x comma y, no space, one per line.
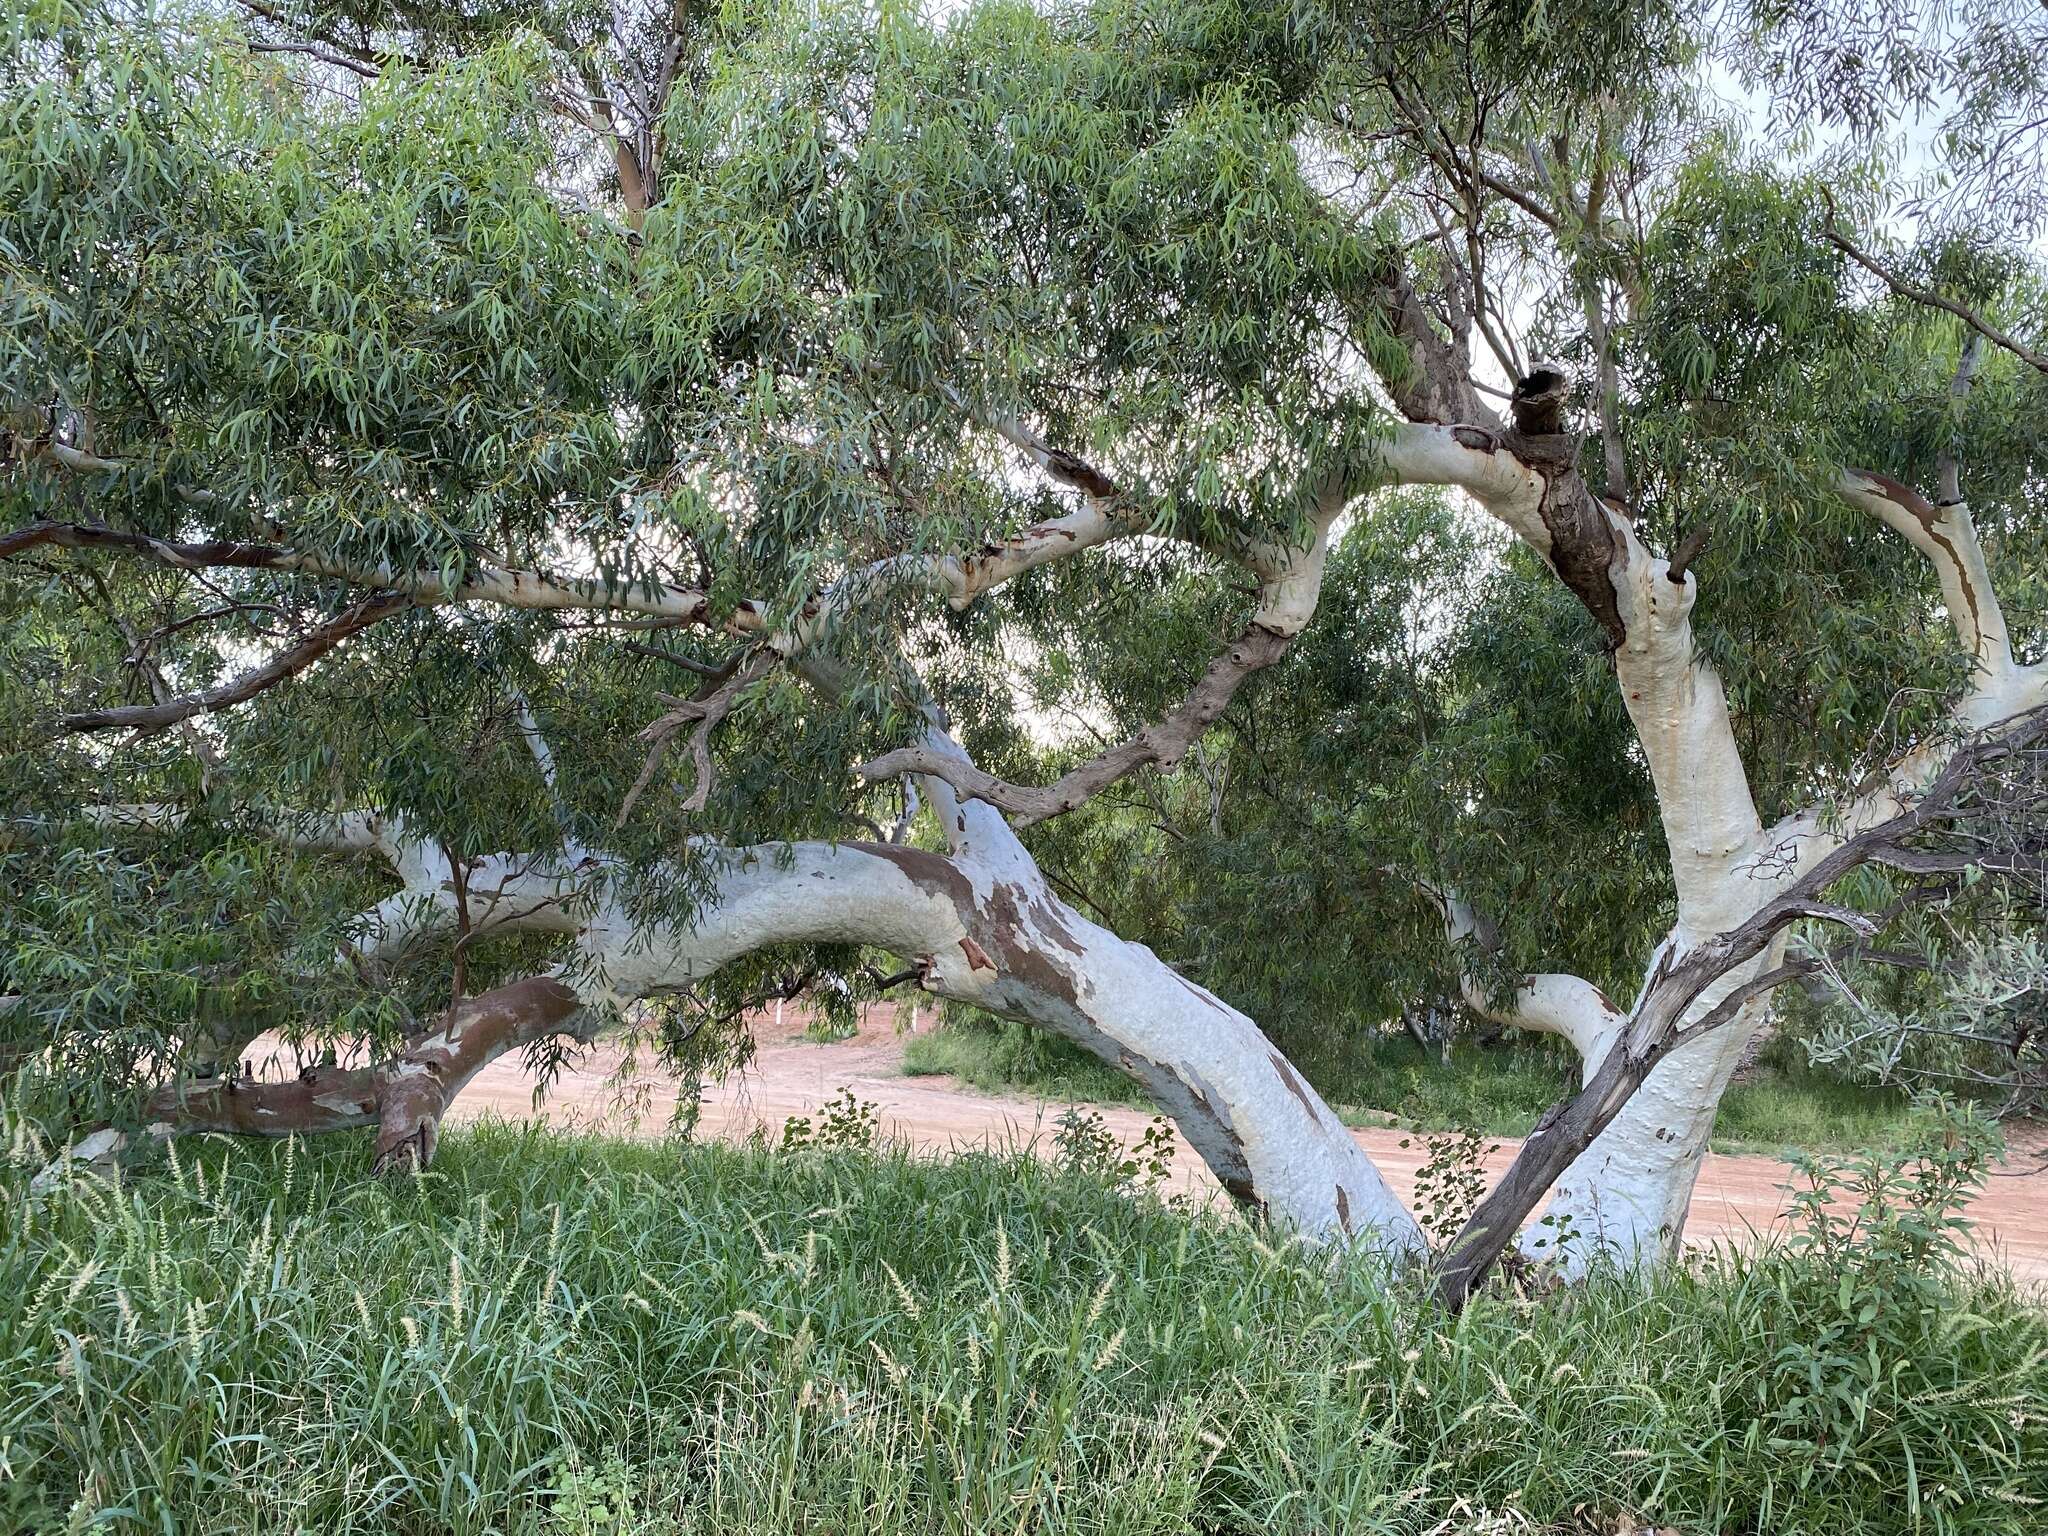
1003,1056
1789,1104
571,1336
1388,1080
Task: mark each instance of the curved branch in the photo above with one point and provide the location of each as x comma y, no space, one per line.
1163,743
1290,585
147,718
1548,1002
404,1097
1675,699
707,712
1928,297
980,926
1947,536
1658,1025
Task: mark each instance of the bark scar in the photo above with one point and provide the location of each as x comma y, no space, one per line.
1293,1083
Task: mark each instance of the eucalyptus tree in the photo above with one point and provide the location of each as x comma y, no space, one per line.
398,403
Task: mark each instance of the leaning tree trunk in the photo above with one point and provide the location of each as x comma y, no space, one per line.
984,927
404,1097
980,922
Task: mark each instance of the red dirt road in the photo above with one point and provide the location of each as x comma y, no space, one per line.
790,1075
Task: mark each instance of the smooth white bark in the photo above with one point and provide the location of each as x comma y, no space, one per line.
1625,1197
1947,537
1550,1003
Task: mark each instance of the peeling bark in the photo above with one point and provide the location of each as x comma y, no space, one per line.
1947,536
404,1097
984,928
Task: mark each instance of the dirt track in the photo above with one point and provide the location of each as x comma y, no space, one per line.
793,1076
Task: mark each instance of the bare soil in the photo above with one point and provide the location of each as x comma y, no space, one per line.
1736,1198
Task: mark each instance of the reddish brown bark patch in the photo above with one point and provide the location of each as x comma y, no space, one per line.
928,872
1294,1083
1908,498
1582,541
1080,474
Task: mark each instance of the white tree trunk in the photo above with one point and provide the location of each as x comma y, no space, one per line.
1625,1198
1627,1194
984,927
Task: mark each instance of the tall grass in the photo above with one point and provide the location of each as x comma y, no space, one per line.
558,1335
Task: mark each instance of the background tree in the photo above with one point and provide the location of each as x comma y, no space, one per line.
353,434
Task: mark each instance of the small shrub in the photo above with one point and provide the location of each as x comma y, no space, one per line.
1869,1370
1451,1181
1153,1156
593,1501
845,1123
1084,1145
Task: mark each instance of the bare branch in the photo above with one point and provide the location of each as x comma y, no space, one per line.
1764,982
1550,1002
1290,584
1068,469
707,712
1933,300
1948,475
159,686
145,718
368,62
315,51
1689,549
720,671
1163,743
